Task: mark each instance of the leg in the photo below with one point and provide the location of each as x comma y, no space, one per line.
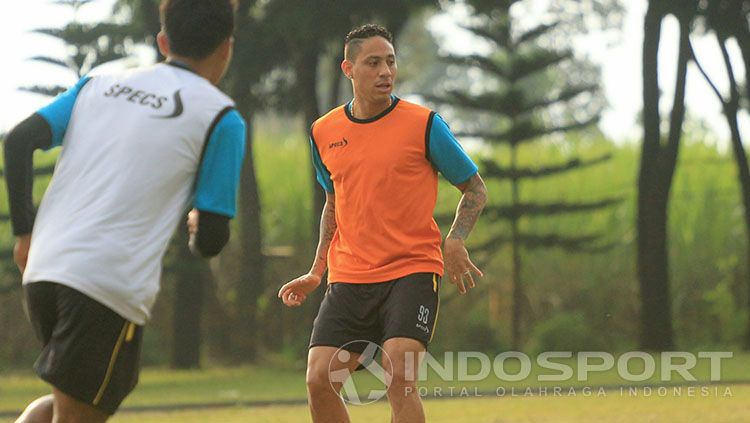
70,410
90,354
323,394
402,362
39,411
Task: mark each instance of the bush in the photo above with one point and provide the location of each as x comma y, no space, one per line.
566,331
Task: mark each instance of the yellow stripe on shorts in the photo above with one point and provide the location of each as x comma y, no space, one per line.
125,331
437,312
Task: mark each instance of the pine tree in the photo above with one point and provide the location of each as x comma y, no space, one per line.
524,96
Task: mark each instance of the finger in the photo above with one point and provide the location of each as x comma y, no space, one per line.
288,295
282,290
460,285
475,269
295,300
469,279
286,290
20,263
286,299
300,298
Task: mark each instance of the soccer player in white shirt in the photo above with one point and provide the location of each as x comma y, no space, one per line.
138,149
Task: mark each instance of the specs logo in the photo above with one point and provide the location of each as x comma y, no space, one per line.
342,143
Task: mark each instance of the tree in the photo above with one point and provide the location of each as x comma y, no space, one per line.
525,96
244,80
658,162
729,19
88,45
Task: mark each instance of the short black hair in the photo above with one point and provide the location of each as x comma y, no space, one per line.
356,36
195,28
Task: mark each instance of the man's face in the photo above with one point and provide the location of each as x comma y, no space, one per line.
374,70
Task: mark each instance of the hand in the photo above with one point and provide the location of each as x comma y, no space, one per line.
458,266
192,221
294,293
21,251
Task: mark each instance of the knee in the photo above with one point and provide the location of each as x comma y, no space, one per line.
71,410
402,379
318,382
41,410
402,385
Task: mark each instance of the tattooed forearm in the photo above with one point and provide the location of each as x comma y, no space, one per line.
327,230
469,208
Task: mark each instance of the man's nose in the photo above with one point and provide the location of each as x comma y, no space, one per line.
385,70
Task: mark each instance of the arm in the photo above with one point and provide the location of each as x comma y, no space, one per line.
209,233
31,134
44,129
470,207
294,293
447,155
458,265
217,184
327,230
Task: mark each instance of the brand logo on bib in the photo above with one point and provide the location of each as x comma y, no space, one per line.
342,143
178,108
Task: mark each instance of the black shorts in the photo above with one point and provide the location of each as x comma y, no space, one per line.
90,352
405,307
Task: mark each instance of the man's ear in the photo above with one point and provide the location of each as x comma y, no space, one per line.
226,48
346,67
163,43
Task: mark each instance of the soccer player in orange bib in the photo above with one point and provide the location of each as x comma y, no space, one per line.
377,158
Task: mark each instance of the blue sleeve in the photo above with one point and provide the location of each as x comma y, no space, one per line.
321,172
219,173
57,114
447,155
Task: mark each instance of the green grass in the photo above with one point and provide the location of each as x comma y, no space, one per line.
612,407
253,383
158,386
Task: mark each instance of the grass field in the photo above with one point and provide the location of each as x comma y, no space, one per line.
168,388
612,408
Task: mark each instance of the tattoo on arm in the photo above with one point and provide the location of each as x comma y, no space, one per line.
327,230
469,208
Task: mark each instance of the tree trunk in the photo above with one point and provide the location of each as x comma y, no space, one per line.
731,110
190,275
516,252
658,163
336,75
743,40
306,70
250,285
252,273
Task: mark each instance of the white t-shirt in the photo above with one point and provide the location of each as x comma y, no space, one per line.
137,149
